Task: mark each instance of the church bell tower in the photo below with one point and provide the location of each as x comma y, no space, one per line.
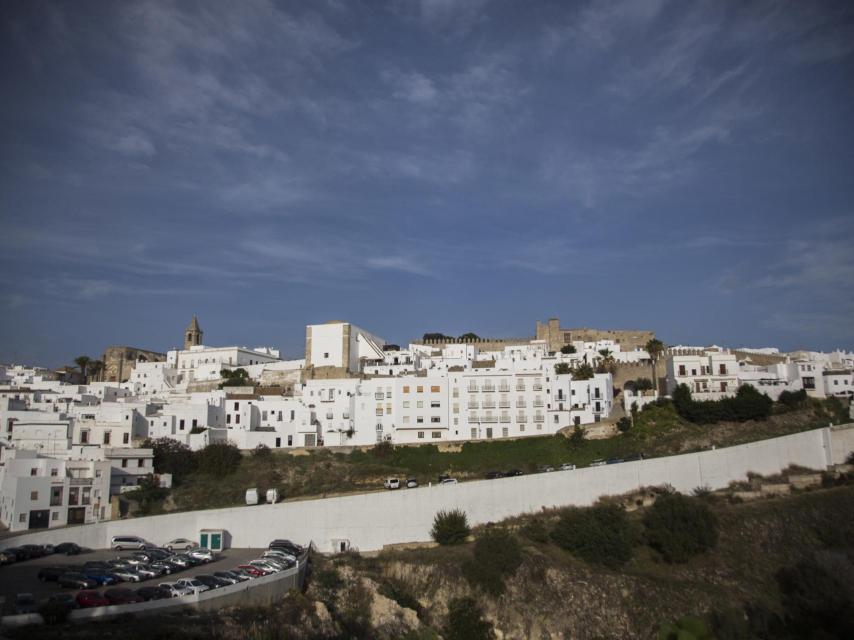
193,334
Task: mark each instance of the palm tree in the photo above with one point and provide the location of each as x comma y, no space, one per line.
606,364
654,348
83,363
95,368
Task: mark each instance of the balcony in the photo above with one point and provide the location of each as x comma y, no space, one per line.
539,418
473,404
504,404
489,404
78,482
488,419
488,388
379,395
538,403
538,387
521,418
472,388
505,417
521,404
520,387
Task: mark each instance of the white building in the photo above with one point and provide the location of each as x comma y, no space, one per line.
204,364
712,375
341,345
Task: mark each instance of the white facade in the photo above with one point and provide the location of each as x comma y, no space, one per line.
341,345
712,375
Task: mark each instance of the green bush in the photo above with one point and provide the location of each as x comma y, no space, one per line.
466,621
536,530
679,527
793,399
497,556
624,424
562,368
567,349
577,438
600,534
53,612
450,527
748,404
816,603
219,459
261,451
171,456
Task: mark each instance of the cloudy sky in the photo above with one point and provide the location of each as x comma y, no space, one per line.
432,165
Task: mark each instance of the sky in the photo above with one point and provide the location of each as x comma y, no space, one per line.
419,166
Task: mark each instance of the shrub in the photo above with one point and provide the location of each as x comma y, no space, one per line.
624,424
536,530
567,349
817,604
582,372
450,527
600,534
53,612
219,459
466,621
793,399
261,451
643,384
147,493
679,527
577,437
562,368
383,450
748,404
497,556
171,456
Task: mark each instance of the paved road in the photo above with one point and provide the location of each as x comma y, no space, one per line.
21,576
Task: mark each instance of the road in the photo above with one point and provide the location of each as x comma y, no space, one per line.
21,577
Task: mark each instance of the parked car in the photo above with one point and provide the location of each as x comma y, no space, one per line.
192,584
411,483
449,481
153,593
392,483
634,457
200,553
280,563
128,542
88,598
175,590
51,574
126,574
267,567
278,553
68,548
255,572
68,600
566,466
614,460
98,564
25,603
164,567
76,580
291,547
492,475
234,575
546,468
212,581
243,573
514,472
120,595
146,571
37,550
443,476
102,577
184,544
598,462
20,554
7,556
142,556
182,560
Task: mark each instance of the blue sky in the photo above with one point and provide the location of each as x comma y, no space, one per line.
433,165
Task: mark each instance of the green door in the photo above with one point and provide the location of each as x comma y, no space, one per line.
216,541
203,542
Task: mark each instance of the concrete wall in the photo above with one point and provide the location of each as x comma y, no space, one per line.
369,521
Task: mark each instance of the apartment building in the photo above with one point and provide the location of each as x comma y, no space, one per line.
712,375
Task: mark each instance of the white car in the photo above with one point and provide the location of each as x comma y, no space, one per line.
392,483
278,553
567,467
270,567
127,575
175,590
181,544
449,481
205,555
192,584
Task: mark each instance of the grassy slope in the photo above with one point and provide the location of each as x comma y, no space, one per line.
659,431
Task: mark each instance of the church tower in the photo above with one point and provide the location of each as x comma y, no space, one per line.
193,334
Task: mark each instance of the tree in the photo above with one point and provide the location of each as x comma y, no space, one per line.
624,424
95,368
219,459
83,363
582,372
793,399
450,527
562,368
567,349
147,493
600,534
171,456
440,337
497,556
679,527
469,337
235,378
577,437
466,621
261,451
654,348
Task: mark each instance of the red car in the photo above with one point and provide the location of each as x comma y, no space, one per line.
252,571
89,598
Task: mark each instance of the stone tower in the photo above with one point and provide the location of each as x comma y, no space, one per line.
193,334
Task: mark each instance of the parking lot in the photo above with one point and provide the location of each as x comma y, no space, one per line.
21,577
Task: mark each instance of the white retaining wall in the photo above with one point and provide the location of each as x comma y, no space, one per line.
369,521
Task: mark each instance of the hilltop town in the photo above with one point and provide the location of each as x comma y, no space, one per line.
352,389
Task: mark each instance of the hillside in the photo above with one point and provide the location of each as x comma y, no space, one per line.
658,431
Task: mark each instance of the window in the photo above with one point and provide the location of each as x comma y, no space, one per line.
87,495
140,463
22,517
434,389
474,433
264,415
435,419
405,419
56,496
106,437
54,472
681,369
506,432
419,419
420,389
237,419
325,354
723,386
406,404
419,404
723,369
436,434
34,472
435,404
54,515
421,435
124,463
228,419
34,495
406,389
125,438
290,441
